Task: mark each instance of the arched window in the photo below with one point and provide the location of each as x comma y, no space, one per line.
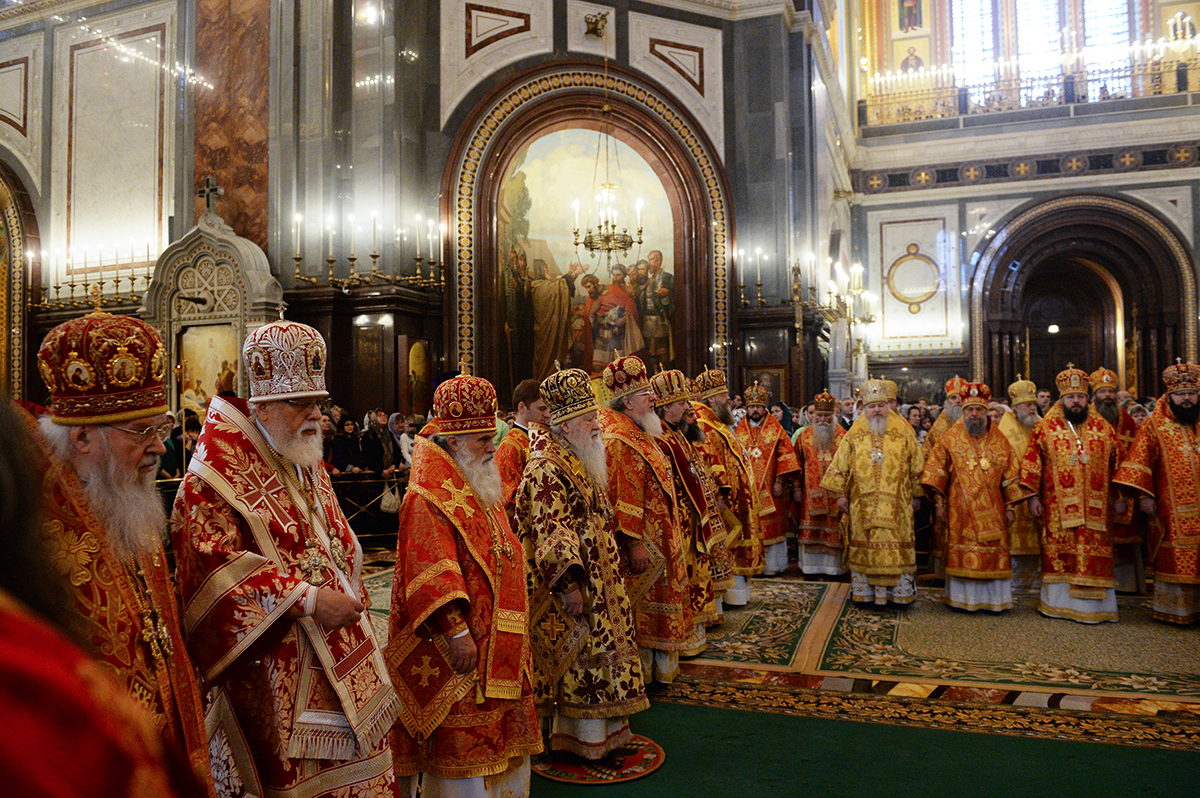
974,37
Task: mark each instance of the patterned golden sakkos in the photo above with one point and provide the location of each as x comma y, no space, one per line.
880,475
459,568
1025,532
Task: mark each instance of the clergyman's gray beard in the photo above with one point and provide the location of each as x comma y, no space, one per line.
296,447
1028,419
975,426
590,451
953,412
649,423
723,414
131,509
483,476
823,432
1109,410
877,424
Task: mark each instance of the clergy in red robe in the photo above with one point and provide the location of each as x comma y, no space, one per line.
104,520
974,468
734,475
774,460
513,451
270,575
1066,471
821,528
1163,468
951,413
1128,565
642,493
458,649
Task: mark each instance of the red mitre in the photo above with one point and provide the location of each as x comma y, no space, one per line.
103,369
976,393
626,375
464,405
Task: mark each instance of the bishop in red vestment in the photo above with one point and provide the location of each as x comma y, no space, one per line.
774,460
1128,564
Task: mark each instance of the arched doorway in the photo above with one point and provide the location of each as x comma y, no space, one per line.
560,96
1091,279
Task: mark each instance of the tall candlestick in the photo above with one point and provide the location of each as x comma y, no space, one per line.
417,236
299,219
374,232
352,235
329,227
758,262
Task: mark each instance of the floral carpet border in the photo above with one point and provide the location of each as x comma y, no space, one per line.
1049,724
864,642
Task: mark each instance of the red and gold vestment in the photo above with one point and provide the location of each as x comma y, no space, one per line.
820,519
642,493
1164,462
978,477
130,615
1127,526
734,476
70,728
458,567
510,457
254,537
770,452
1070,469
591,668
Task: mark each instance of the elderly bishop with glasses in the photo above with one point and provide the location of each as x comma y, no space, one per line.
270,575
104,520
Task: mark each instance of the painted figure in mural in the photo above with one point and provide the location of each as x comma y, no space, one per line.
612,320
516,311
912,62
910,15
656,308
550,296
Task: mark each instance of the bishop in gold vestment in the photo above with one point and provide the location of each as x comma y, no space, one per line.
774,461
876,473
1163,467
734,475
1067,471
974,468
1024,538
587,671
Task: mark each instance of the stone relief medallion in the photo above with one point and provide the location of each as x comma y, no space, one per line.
914,278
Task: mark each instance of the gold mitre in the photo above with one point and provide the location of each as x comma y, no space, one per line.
757,395
568,394
669,386
1072,380
710,383
1022,391
874,391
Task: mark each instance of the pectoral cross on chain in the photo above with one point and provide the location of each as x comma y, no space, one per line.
876,456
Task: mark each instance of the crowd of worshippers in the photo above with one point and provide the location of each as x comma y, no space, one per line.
545,579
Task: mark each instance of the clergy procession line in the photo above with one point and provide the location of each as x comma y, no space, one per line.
539,588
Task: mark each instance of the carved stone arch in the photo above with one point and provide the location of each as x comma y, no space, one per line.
1135,264
563,94
18,274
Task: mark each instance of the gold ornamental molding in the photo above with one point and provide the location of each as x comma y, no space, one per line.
503,110
1183,266
12,311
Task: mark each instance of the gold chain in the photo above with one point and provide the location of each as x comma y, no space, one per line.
313,561
154,629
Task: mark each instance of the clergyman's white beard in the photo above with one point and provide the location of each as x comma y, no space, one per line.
649,423
953,412
823,432
130,508
590,451
877,424
296,447
483,476
1028,419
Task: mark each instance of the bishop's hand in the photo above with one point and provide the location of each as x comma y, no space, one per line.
639,558
464,654
844,504
1148,505
1035,506
573,603
336,610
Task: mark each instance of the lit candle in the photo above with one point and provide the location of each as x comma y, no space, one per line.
147,256
352,235
299,219
639,212
417,234
329,228
430,221
374,232
758,262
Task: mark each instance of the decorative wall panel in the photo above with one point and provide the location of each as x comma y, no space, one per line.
21,103
578,40
916,270
1175,205
479,39
113,162
687,60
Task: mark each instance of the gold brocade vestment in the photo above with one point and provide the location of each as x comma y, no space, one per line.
1025,533
590,668
880,475
820,519
978,477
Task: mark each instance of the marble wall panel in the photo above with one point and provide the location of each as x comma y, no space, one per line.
232,117
578,40
913,265
1174,203
21,103
687,60
479,39
113,162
